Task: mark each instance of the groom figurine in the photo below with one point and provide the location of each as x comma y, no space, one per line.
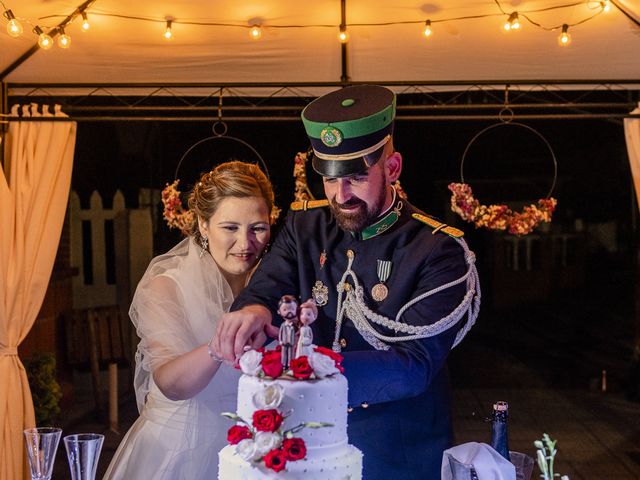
389,282
288,310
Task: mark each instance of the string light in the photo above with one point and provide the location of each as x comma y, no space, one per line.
85,22
44,41
513,23
14,27
564,39
343,36
168,34
256,32
427,29
64,40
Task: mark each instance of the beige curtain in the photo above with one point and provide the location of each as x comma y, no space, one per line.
632,136
34,189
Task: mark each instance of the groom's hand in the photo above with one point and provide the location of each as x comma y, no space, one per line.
236,330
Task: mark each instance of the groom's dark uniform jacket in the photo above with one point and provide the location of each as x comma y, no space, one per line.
400,402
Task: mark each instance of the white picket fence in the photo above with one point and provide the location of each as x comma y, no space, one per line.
131,240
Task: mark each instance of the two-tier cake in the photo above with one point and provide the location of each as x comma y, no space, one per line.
290,424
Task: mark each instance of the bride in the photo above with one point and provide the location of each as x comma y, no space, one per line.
181,386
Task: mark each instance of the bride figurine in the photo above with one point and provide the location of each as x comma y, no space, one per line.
305,335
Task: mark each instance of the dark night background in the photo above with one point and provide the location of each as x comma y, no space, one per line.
506,164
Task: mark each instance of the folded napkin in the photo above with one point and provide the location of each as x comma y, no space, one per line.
459,461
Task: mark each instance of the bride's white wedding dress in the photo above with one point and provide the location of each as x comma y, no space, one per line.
175,309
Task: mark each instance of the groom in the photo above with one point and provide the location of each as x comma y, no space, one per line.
364,232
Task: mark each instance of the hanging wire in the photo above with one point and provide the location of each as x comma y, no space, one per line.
219,129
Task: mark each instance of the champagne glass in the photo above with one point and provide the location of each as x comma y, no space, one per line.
41,444
83,452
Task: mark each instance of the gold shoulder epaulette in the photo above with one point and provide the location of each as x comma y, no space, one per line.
438,226
307,204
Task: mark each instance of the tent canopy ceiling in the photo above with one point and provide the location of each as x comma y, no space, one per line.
299,42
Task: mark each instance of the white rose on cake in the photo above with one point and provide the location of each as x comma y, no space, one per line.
322,365
247,450
251,363
266,441
269,397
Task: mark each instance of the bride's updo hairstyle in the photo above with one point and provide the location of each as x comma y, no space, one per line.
230,179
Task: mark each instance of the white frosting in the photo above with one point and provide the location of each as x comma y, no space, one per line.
343,465
329,456
307,401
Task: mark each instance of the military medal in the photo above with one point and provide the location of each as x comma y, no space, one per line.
320,293
380,291
323,258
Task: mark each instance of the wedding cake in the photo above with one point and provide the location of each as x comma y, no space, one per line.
290,424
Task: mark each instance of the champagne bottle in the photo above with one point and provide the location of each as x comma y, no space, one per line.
500,429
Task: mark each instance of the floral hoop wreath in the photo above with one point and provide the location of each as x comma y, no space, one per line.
301,189
174,212
501,217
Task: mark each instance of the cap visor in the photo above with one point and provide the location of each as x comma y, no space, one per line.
345,168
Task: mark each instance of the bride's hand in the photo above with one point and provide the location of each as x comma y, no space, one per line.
235,330
271,331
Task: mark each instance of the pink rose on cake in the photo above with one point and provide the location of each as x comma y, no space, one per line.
237,433
267,420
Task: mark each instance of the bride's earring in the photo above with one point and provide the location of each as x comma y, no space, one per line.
205,245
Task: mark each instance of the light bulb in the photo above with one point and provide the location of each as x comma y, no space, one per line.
64,40
564,38
85,22
513,23
168,35
343,36
427,29
255,33
14,27
44,41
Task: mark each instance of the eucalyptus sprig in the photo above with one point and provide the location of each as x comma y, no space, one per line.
236,417
546,452
289,433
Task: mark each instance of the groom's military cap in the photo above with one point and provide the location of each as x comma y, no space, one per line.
348,128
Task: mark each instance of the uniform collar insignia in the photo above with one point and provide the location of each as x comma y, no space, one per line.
384,223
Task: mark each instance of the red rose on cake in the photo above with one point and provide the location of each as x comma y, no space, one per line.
272,364
300,368
275,460
267,420
294,448
237,433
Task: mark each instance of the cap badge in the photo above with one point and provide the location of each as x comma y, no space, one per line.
331,136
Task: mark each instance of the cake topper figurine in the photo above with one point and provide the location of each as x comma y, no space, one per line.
288,310
305,336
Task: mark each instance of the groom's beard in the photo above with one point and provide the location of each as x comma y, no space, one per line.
358,219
